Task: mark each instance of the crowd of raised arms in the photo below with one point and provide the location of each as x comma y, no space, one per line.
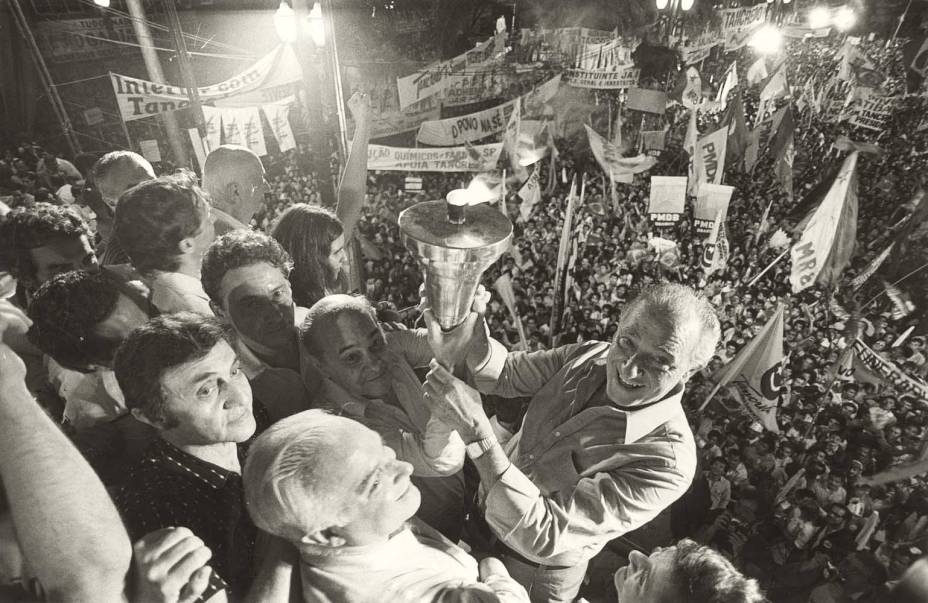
196,406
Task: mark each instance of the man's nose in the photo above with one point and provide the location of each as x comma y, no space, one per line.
629,369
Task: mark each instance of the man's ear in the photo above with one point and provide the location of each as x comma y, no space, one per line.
329,537
235,191
186,245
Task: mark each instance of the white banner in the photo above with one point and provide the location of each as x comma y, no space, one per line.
712,200
213,128
667,199
466,128
477,158
233,126
811,253
277,115
139,98
252,131
739,23
610,158
709,162
436,78
626,77
874,112
530,193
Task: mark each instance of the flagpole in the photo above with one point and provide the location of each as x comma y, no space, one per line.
714,391
875,297
764,271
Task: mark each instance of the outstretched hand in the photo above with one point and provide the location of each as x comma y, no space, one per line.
456,404
360,106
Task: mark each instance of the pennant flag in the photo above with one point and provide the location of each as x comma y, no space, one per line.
212,127
689,88
530,193
757,72
872,267
715,253
737,131
611,161
756,372
902,305
784,150
709,163
827,241
503,286
277,115
776,87
729,82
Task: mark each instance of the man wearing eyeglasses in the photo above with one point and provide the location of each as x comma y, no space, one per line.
604,446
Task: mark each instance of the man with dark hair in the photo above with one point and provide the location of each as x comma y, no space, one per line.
180,374
685,572
79,319
36,243
245,276
165,227
605,445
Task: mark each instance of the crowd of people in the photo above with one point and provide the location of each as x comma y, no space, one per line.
180,334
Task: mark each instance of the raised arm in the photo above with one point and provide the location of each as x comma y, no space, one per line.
66,524
353,185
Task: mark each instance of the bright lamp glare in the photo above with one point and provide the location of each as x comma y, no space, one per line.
845,18
767,40
103,3
285,23
787,1
686,4
819,17
661,4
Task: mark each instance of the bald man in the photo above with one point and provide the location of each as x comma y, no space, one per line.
234,178
112,175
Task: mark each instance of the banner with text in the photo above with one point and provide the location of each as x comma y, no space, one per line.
890,372
711,199
277,115
259,84
739,23
477,158
874,112
667,199
436,78
709,162
627,77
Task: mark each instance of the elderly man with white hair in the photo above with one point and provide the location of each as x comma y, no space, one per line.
604,446
332,487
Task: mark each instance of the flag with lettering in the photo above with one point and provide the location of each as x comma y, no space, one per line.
560,274
871,268
827,242
756,372
689,88
715,252
212,138
902,305
278,116
709,162
530,193
784,150
776,87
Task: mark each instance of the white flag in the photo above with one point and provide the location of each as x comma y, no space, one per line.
213,128
277,115
530,193
757,72
709,162
729,82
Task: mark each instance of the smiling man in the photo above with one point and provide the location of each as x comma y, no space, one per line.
604,446
335,490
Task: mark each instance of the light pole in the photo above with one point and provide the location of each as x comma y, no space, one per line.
674,9
293,27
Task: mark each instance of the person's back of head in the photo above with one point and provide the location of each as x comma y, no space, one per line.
234,178
157,220
116,172
323,312
307,233
699,573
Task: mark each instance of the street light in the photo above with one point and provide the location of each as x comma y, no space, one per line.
103,3
819,17
317,26
767,40
845,18
285,23
675,6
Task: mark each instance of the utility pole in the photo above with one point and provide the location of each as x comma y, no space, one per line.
57,106
155,74
183,61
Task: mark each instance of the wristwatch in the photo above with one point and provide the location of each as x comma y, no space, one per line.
477,449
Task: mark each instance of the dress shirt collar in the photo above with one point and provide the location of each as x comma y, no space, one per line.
370,557
642,420
177,460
